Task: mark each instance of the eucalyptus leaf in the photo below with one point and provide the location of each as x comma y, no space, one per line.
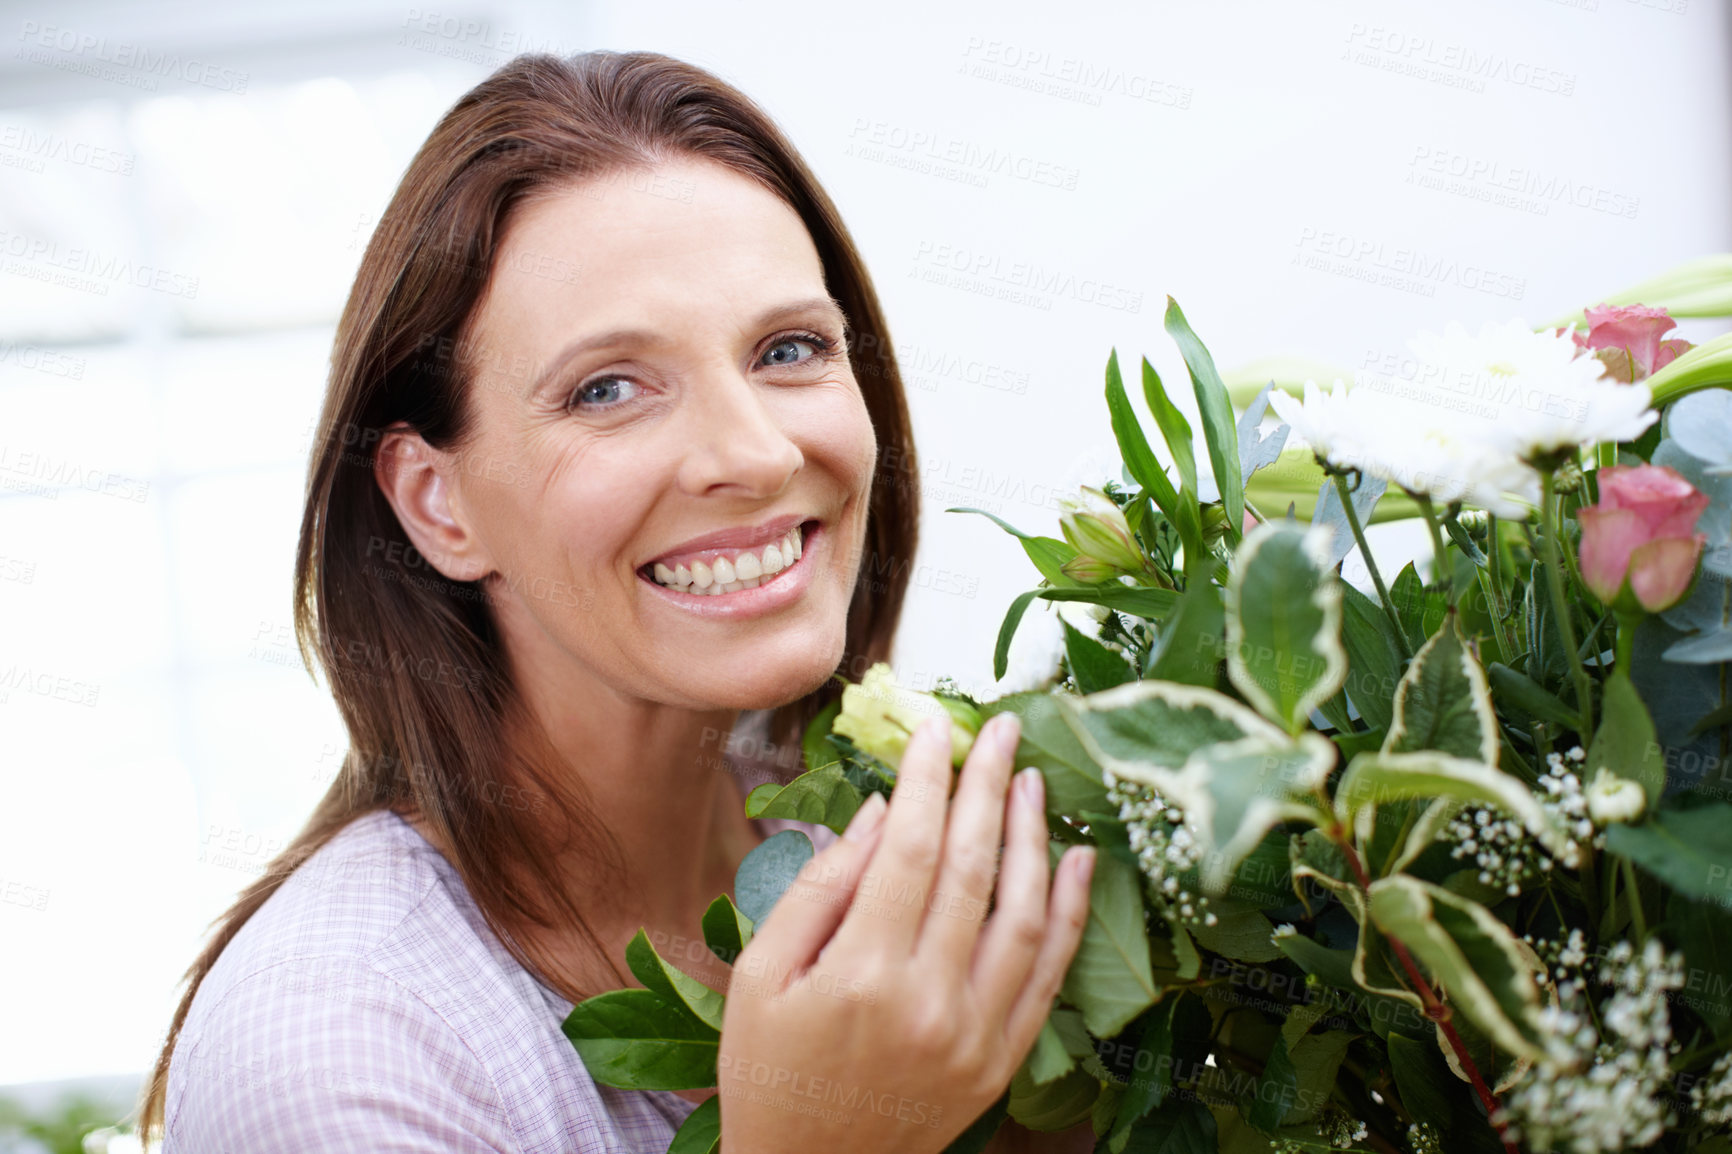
769,869
1258,450
1330,514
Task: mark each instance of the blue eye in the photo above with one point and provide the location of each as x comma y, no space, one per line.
600,393
818,345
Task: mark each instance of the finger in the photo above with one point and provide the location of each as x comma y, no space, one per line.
958,905
1013,935
805,917
884,919
1064,930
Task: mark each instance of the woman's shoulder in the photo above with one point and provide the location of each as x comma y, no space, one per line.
365,1005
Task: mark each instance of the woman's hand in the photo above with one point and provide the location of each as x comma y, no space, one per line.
878,1008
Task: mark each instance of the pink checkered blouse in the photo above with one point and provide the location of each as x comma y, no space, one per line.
366,1007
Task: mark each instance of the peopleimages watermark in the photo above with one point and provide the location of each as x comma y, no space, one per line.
1520,187
29,149
1018,282
87,269
1068,78
735,1075
1451,65
32,472
1397,266
933,152
134,65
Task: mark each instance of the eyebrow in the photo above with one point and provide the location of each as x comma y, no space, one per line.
616,338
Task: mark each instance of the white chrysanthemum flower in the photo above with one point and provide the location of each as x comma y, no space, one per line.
1332,424
1613,799
1425,449
1531,391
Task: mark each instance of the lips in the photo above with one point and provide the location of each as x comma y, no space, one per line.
730,561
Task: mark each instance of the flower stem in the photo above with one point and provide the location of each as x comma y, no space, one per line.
1561,606
1435,1009
1626,640
1443,573
1492,578
1371,564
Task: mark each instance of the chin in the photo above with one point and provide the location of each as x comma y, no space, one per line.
794,669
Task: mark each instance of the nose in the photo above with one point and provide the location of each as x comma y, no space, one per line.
736,443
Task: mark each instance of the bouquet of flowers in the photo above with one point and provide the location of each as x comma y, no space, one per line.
1440,865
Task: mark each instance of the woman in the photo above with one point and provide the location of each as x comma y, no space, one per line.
594,477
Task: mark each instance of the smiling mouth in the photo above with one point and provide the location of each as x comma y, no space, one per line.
718,572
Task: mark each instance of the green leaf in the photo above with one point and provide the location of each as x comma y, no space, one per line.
1192,643
1283,610
1180,1126
726,930
1073,780
633,1040
701,1132
1275,1090
1443,702
822,796
1231,790
1373,779
1475,956
1049,554
1056,1105
1110,978
1688,849
1521,691
1420,1078
1408,597
817,751
1175,430
1704,932
1242,936
1048,1058
674,985
1006,631
1316,1059
1373,657
1220,432
1094,666
769,869
1625,742
1149,604
1142,463
974,1139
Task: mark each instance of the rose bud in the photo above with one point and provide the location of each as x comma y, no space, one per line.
1626,339
1639,544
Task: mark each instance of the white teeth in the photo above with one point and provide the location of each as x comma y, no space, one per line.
726,575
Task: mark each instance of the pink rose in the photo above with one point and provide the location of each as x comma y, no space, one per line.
1626,338
1642,536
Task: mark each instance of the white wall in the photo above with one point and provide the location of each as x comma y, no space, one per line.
157,740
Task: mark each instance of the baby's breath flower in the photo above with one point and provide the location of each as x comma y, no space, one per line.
1165,845
1507,856
1712,1096
1593,1092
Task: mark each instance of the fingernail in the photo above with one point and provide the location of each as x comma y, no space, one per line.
1085,867
1008,733
1032,784
865,819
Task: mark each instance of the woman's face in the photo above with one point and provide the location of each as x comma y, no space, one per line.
662,390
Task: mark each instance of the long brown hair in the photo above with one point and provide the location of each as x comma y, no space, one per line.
436,725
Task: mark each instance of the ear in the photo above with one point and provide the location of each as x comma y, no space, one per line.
418,481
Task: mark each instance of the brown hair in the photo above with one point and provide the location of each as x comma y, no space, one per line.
414,660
